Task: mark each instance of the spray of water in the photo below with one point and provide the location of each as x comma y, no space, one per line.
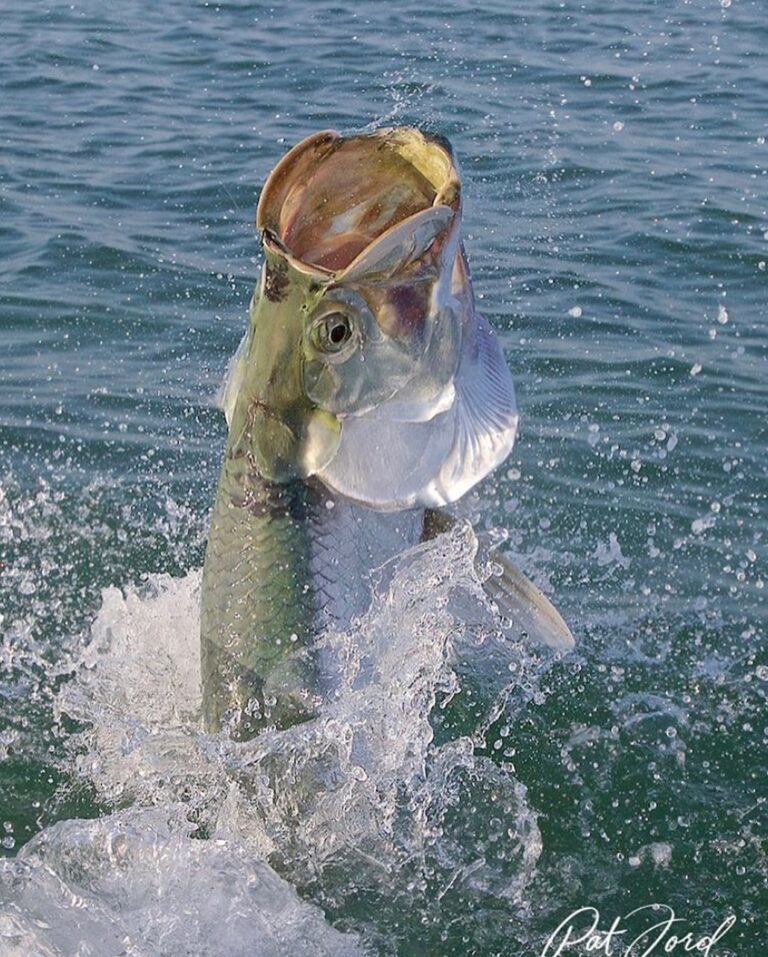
313,840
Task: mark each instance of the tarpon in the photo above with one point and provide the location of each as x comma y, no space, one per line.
367,394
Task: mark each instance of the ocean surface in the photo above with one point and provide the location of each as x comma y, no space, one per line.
615,171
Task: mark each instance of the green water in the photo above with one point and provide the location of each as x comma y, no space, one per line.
616,220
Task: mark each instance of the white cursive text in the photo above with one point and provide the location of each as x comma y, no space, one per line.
664,935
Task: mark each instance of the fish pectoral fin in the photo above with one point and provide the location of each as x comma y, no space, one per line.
514,594
436,522
518,599
226,397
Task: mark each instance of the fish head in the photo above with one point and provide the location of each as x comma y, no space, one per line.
362,319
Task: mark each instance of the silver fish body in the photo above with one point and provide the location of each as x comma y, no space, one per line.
367,391
284,563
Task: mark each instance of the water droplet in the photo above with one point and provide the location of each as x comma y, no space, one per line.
699,525
575,312
661,853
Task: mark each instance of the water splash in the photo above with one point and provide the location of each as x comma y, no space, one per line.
136,883
380,806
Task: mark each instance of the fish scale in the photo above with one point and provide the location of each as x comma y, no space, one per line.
255,582
348,541
293,562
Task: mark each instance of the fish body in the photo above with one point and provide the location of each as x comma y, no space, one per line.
367,392
283,564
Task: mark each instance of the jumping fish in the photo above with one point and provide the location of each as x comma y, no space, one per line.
367,394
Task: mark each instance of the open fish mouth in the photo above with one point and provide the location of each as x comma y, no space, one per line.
331,197
366,363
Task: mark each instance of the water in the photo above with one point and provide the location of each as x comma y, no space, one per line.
470,792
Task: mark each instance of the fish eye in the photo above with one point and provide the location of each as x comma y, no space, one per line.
332,332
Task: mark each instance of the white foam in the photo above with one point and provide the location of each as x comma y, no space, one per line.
135,883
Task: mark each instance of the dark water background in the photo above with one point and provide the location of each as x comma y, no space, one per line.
616,219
